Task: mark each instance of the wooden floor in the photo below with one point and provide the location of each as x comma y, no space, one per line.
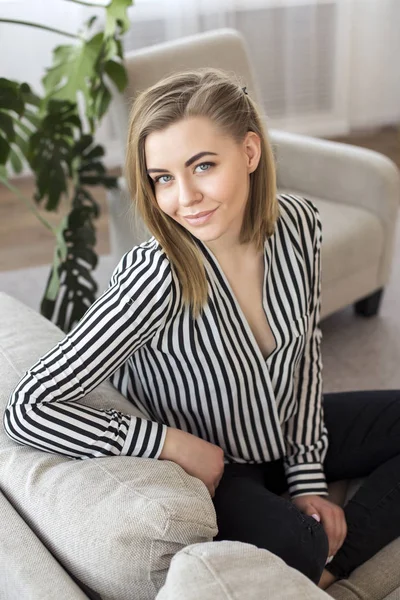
26,242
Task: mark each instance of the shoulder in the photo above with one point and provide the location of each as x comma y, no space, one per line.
302,211
145,263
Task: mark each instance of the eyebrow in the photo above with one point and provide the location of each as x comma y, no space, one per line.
187,163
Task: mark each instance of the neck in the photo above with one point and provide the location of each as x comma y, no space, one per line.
239,258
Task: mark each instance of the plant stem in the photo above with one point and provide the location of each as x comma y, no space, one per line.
29,205
88,3
71,35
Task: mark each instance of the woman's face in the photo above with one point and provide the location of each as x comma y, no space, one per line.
196,169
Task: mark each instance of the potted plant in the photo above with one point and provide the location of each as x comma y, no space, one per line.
54,134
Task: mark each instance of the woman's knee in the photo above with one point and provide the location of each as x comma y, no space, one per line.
249,513
305,545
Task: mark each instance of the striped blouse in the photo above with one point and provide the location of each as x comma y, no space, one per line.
206,376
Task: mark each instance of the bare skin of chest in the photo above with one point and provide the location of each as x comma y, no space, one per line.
247,285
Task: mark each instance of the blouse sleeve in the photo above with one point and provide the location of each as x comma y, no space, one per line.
306,436
44,411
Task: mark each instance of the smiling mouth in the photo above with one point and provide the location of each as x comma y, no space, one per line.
198,215
200,219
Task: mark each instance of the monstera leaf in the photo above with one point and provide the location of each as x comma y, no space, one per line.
50,151
91,170
71,288
116,13
72,70
85,66
19,115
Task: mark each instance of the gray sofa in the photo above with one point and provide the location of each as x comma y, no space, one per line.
123,528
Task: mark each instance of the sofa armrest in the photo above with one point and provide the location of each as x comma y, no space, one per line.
114,522
28,569
338,172
230,569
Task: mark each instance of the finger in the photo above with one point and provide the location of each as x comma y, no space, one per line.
341,528
333,537
331,532
340,531
344,529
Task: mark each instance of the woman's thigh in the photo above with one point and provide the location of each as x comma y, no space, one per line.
248,512
363,431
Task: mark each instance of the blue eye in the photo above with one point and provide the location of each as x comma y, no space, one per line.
157,179
208,164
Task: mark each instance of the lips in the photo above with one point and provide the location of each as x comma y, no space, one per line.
202,214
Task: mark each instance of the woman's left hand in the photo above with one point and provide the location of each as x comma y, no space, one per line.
331,516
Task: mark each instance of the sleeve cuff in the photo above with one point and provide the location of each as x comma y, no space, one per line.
144,438
306,478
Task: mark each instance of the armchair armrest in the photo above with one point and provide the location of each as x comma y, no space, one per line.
338,172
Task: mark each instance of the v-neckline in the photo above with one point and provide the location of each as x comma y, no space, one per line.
267,314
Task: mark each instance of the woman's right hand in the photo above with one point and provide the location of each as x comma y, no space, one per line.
196,456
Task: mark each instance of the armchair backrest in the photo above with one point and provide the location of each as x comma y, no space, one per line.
223,48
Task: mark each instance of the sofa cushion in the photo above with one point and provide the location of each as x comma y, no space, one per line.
112,522
28,569
230,570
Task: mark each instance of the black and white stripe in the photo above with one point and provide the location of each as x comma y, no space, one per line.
205,376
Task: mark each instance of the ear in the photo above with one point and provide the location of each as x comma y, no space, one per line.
252,149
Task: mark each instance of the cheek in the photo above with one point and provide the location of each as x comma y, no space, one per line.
229,190
166,203
221,187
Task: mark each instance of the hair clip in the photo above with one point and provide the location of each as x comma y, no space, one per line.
245,90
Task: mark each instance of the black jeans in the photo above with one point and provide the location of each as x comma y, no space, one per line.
364,441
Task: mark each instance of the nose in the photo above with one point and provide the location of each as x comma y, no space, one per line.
189,194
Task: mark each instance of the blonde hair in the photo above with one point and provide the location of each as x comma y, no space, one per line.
218,95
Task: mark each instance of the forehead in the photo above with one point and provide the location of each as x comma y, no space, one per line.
183,139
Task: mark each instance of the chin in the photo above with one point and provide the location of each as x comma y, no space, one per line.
208,237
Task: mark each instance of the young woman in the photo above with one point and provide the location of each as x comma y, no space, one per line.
211,328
